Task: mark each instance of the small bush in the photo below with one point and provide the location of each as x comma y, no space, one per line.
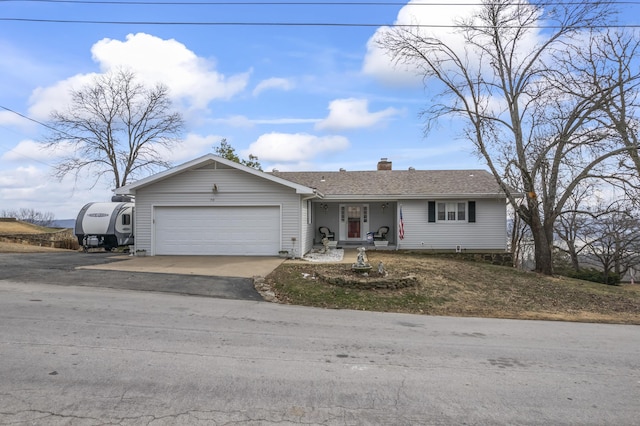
69,243
594,275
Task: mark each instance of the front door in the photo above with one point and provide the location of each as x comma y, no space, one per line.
354,222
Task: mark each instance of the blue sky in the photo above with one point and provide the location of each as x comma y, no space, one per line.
298,97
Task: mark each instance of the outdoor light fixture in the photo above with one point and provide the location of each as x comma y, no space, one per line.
215,188
384,206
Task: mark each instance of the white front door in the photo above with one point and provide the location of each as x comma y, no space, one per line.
354,222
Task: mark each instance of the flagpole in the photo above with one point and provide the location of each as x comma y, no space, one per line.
400,229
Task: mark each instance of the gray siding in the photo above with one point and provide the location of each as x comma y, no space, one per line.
384,217
234,188
489,232
307,229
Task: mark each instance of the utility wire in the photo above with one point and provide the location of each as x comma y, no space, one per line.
289,24
294,3
28,118
35,121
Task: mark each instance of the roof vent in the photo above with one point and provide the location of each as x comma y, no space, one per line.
275,170
384,164
342,169
411,169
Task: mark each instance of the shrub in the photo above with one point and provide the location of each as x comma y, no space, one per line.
594,275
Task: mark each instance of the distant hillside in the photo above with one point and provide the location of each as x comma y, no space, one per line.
64,223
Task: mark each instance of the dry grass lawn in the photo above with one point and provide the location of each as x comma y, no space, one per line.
12,228
445,287
17,227
460,288
26,248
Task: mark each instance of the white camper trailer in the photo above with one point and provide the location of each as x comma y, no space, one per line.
106,225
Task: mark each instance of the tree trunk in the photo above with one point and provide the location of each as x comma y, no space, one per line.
575,262
543,251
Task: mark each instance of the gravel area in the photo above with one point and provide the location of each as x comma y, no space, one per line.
332,255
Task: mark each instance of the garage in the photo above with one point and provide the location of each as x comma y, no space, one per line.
236,230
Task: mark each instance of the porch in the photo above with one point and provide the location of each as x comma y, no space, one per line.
349,224
352,245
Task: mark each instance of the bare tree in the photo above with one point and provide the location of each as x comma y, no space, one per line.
614,56
572,221
30,215
611,239
529,107
520,241
117,127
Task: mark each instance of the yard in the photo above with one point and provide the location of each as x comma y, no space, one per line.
445,287
451,287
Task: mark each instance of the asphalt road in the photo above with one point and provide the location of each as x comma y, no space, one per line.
60,269
94,356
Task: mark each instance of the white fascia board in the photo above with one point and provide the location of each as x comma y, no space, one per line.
347,198
199,162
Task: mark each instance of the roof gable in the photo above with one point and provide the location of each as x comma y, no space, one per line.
209,161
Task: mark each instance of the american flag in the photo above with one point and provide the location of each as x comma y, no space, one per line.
401,230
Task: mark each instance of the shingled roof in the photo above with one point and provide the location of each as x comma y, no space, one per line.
398,183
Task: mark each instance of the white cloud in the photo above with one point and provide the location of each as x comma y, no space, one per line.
273,83
379,64
33,187
246,122
191,147
190,79
44,100
172,63
353,114
234,121
297,147
23,187
30,150
10,119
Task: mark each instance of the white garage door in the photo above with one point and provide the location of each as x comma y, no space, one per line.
252,231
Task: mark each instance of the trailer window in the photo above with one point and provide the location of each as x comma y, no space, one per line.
126,219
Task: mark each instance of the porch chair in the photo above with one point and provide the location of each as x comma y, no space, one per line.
326,233
381,233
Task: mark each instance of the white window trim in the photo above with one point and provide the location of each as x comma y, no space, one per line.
455,203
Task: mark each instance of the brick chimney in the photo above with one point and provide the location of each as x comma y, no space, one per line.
384,164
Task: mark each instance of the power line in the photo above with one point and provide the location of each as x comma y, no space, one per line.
288,24
27,118
33,120
293,3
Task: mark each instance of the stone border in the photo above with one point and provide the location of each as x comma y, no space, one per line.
64,239
371,282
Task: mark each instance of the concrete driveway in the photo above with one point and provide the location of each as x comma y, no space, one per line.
222,277
213,266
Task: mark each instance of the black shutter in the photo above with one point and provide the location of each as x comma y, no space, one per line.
432,211
472,211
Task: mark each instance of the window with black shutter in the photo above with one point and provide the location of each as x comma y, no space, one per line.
432,211
472,211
